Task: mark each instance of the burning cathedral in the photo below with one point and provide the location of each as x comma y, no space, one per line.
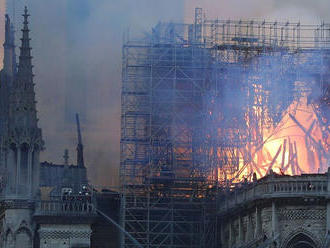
225,135
224,143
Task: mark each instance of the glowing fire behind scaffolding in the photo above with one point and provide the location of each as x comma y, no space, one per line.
298,144
294,146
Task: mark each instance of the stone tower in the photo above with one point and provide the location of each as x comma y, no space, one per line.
22,142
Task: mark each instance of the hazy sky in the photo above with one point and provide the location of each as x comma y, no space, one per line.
306,11
77,58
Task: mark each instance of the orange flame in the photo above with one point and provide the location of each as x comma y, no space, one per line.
296,145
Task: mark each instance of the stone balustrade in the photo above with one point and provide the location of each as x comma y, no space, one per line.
275,186
65,207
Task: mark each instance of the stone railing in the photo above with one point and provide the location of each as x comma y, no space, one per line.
65,207
275,187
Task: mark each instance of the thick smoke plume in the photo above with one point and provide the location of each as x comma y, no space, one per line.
77,58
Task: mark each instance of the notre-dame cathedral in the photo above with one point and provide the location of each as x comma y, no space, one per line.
50,205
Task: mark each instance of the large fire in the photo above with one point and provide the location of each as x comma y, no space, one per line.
295,145
298,144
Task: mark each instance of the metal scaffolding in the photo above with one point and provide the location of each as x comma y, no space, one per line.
195,100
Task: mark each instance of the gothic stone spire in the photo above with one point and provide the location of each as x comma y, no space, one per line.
25,58
24,136
22,110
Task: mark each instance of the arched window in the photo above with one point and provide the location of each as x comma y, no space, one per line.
301,241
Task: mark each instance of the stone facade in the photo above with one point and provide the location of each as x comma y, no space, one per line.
277,211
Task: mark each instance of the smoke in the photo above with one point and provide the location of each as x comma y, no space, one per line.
293,10
77,57
77,65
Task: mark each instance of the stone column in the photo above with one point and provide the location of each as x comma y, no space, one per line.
222,234
231,235
18,170
258,227
328,205
36,171
240,230
249,231
274,220
12,181
30,172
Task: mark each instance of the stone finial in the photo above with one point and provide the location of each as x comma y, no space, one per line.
25,64
254,177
